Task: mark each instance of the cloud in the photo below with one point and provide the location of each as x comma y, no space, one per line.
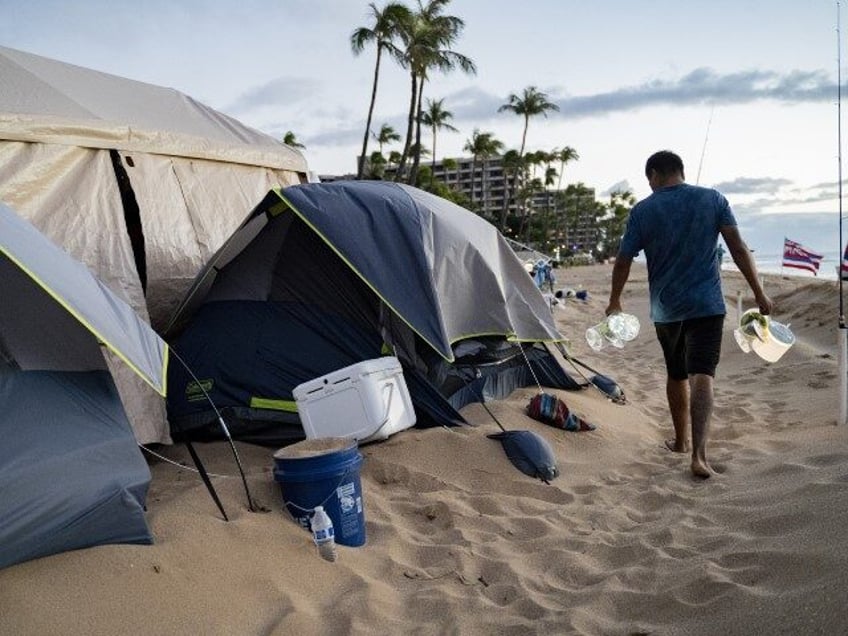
340,136
768,203
619,186
700,86
703,85
279,91
751,185
475,106
831,184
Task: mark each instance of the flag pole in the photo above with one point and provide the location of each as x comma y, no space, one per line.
842,334
783,258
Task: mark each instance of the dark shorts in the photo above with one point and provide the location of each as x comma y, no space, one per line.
691,346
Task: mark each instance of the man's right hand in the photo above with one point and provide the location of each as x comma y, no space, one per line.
614,307
765,304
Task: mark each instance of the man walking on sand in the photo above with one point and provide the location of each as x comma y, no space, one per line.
678,228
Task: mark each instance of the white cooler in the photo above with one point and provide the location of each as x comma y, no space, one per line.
367,401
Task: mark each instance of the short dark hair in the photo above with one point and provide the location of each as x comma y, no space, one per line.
665,163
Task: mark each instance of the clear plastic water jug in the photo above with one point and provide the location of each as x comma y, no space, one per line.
615,329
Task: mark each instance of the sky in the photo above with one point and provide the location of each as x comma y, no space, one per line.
744,90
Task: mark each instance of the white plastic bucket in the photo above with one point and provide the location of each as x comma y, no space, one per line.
765,337
777,341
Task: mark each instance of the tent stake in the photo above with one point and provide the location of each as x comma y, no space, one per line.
205,477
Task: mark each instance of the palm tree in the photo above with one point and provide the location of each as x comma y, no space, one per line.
512,165
376,165
614,220
525,196
579,204
384,29
474,145
533,160
565,156
291,140
550,178
436,118
426,38
481,146
386,135
530,103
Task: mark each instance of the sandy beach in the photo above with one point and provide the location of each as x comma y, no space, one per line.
623,542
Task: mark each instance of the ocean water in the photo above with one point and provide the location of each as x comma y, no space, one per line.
819,232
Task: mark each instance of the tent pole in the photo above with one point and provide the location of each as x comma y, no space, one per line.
251,505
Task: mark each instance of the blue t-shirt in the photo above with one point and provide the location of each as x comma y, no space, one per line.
678,228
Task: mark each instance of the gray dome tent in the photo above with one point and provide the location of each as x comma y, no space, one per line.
71,473
321,276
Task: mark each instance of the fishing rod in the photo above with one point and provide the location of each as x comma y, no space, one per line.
704,147
839,154
842,339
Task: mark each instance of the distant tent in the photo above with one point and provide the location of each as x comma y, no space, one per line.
322,276
528,255
139,182
71,472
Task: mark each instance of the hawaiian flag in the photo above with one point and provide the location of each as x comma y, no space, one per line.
796,255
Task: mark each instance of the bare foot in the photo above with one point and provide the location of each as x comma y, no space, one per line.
701,469
674,447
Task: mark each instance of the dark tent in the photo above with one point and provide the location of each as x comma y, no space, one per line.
322,276
71,472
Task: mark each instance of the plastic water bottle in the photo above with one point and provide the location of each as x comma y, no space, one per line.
615,329
323,534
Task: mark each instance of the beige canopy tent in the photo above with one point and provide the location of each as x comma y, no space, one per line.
141,183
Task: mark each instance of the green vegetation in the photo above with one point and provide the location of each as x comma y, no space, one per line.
291,140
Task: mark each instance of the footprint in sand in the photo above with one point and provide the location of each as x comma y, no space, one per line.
742,378
826,374
776,405
728,431
738,412
830,459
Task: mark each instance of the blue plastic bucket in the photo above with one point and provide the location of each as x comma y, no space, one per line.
324,472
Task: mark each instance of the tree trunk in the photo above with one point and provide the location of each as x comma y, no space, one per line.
473,169
506,198
416,157
433,160
514,187
361,162
405,154
524,136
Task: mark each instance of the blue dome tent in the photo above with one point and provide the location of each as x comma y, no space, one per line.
322,276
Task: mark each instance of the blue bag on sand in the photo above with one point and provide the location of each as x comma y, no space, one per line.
530,452
609,387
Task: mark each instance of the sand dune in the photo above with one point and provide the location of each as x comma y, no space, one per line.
459,541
